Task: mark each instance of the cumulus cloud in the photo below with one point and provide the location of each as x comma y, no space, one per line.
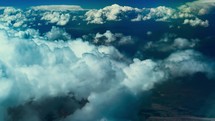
108,38
196,22
13,17
57,34
33,65
56,17
62,14
109,13
57,14
161,13
118,13
34,68
134,79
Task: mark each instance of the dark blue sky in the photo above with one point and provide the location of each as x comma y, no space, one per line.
93,3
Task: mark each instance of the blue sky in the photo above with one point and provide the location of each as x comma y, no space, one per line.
93,3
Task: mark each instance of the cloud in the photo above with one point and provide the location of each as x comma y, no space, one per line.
48,69
140,75
13,17
189,62
109,38
147,69
125,13
160,13
63,14
56,17
34,68
51,68
199,7
57,8
57,34
109,13
118,13
170,43
57,14
196,22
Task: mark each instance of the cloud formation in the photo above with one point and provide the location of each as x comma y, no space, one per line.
13,17
56,17
110,13
39,67
61,15
33,67
161,13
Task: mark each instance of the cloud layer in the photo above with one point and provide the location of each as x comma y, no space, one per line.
40,69
61,15
33,67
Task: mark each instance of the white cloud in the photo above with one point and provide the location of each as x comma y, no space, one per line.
35,68
196,22
118,13
13,17
109,13
57,14
51,68
57,8
57,34
62,14
32,67
160,13
56,17
38,68
111,52
142,75
108,38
